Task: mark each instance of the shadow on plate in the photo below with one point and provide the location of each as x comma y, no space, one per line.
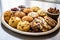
20,36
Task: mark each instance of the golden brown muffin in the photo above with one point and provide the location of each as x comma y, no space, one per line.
23,26
19,14
27,18
33,14
7,15
27,10
41,12
50,21
35,9
14,21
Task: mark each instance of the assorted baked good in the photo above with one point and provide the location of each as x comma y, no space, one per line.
13,21
29,19
33,14
23,25
53,10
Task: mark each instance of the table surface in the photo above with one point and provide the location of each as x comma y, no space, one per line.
6,34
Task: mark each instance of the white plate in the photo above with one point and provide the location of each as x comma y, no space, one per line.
30,33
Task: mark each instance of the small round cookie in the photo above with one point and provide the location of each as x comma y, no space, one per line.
7,15
41,12
23,26
33,14
27,18
19,14
14,21
35,9
27,10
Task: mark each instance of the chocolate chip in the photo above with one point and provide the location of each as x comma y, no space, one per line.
12,21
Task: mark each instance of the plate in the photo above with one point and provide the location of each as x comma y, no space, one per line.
30,33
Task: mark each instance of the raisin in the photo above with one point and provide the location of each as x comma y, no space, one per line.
14,9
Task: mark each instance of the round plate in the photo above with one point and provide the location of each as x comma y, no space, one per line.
30,33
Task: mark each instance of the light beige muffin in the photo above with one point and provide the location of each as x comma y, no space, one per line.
14,21
7,15
27,18
23,26
33,14
19,14
27,10
42,12
35,8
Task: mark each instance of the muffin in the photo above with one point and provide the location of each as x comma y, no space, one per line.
23,26
35,9
19,14
7,15
27,10
33,14
27,18
41,12
14,21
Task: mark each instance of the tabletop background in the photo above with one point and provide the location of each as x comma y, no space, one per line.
6,34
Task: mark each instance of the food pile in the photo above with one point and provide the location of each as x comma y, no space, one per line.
53,10
29,19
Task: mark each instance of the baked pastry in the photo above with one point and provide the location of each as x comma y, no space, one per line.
14,21
36,27
19,14
27,10
23,26
33,14
50,21
35,9
7,15
41,12
27,18
43,23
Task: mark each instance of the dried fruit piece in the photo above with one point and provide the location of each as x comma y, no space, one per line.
14,9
